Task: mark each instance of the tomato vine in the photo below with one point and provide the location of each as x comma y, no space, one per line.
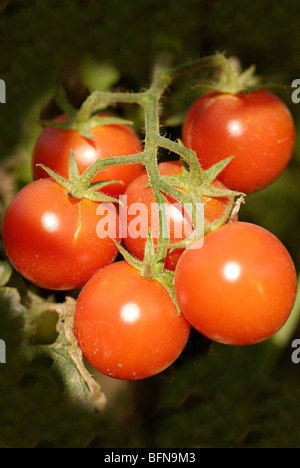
186,189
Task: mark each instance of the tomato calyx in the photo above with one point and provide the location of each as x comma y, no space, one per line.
230,78
152,266
83,120
198,184
80,186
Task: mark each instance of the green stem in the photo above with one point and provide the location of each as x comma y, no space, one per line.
187,155
98,98
231,78
151,164
100,164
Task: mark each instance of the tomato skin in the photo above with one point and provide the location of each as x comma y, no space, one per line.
240,287
127,326
193,113
51,238
258,130
137,192
54,145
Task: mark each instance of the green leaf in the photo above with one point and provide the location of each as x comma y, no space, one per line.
10,302
65,370
6,271
68,367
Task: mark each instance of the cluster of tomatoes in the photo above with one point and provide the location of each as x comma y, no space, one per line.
238,287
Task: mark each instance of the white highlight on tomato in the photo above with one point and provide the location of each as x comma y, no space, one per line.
50,221
232,271
89,155
130,312
235,128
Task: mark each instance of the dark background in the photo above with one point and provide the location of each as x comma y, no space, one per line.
213,396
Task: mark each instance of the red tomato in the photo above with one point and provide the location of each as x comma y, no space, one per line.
127,326
193,114
258,130
51,238
141,217
53,149
240,287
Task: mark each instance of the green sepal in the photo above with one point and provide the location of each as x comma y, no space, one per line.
58,178
100,197
149,254
66,107
84,128
99,120
176,181
147,268
203,187
65,125
182,244
244,82
212,173
230,79
166,279
73,168
77,185
130,259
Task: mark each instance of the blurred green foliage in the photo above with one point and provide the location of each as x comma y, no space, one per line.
213,395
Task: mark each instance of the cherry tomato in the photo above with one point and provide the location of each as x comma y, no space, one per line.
257,129
127,326
142,213
192,114
240,287
51,239
54,145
